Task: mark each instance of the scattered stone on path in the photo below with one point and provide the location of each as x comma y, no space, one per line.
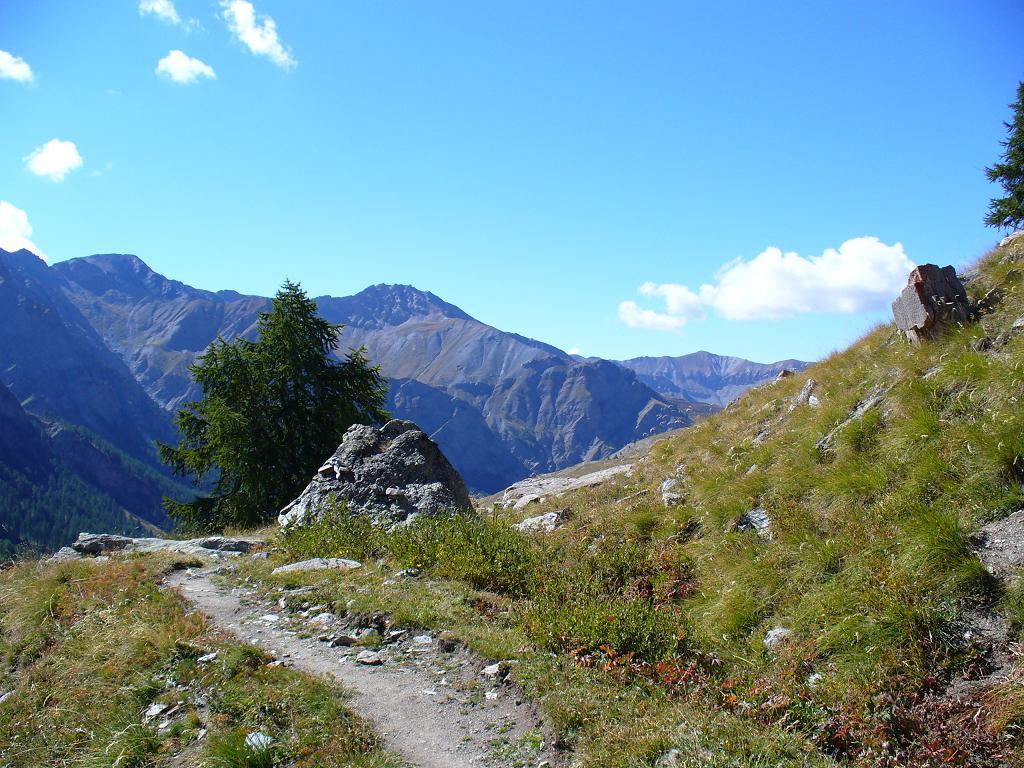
389,473
319,564
98,543
933,297
370,658
223,544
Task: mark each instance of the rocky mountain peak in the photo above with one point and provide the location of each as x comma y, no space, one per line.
383,305
124,275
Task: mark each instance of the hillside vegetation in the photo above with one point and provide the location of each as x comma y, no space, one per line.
642,627
104,668
812,595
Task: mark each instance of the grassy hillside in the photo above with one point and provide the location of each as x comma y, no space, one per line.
643,627
814,597
103,668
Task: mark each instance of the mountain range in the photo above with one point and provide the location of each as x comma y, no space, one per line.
96,352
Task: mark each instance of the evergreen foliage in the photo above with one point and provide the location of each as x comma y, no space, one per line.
47,509
1008,212
271,411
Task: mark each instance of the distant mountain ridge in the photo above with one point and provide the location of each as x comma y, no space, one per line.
706,377
155,324
501,405
96,353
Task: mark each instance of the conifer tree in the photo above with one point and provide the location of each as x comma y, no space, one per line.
272,410
1008,212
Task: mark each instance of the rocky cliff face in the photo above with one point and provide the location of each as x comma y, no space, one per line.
504,405
706,377
156,325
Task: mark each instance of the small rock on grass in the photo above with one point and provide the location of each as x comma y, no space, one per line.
776,638
545,523
258,740
497,670
322,619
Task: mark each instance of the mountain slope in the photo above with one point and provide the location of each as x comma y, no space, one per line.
706,377
544,408
156,325
828,572
44,501
98,424
55,363
845,570
501,405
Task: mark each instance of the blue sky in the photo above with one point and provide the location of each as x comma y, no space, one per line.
574,171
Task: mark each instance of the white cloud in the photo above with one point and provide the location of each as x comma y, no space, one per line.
680,301
14,68
261,38
636,317
862,275
162,9
15,230
181,68
55,159
574,351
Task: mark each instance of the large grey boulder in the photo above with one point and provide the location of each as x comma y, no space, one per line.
932,297
390,474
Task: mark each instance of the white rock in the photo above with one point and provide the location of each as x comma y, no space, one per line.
1010,238
546,523
668,496
370,658
322,619
207,658
776,638
756,520
258,741
319,564
525,501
